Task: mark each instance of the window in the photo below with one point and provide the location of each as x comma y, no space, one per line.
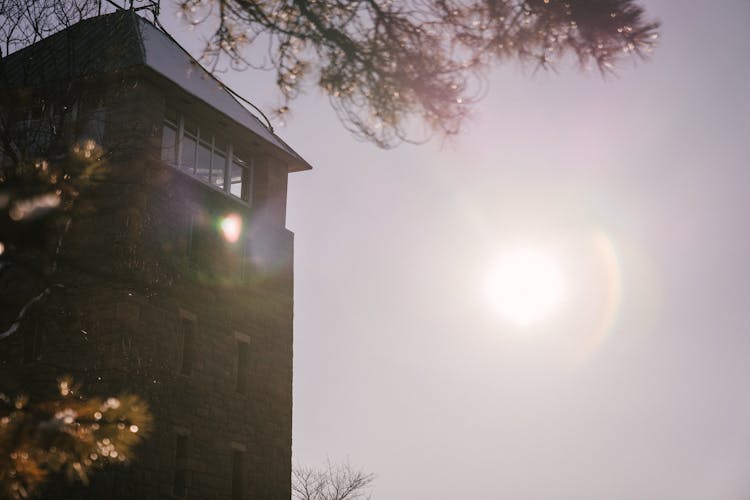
243,351
238,474
204,155
240,179
188,143
93,115
180,466
36,132
203,162
169,143
201,242
187,328
218,169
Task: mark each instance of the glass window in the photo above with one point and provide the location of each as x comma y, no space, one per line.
241,179
187,161
204,156
236,176
203,165
218,167
169,143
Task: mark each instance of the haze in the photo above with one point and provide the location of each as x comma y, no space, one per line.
636,387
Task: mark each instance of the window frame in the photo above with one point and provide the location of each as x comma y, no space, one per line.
239,474
188,341
242,364
181,472
208,137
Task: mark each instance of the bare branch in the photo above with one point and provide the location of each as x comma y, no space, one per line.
401,71
334,482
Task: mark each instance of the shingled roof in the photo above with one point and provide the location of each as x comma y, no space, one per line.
123,40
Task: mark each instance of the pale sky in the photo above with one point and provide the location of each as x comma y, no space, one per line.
636,385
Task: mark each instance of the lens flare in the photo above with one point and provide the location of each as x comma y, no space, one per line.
606,254
231,227
525,286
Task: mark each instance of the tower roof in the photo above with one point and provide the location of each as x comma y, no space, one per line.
123,40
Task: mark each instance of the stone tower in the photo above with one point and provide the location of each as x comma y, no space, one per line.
170,275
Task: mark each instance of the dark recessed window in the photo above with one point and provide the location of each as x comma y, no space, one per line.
187,326
238,475
181,466
243,353
201,243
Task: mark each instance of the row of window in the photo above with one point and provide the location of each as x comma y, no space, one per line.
189,353
205,155
181,470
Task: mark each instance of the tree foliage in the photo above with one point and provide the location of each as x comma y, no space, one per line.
334,482
48,159
69,433
391,68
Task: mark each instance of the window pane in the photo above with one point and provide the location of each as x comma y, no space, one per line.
235,178
203,167
168,144
218,166
187,162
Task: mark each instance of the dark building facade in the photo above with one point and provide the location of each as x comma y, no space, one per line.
172,276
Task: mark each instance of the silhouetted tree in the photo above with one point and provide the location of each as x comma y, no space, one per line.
69,434
50,157
49,118
390,66
334,482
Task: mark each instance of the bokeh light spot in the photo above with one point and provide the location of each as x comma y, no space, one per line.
231,227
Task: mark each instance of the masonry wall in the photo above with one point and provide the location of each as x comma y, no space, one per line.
131,278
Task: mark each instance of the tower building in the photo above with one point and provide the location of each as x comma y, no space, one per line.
169,271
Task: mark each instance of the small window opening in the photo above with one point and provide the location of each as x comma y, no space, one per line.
243,351
238,475
188,345
181,468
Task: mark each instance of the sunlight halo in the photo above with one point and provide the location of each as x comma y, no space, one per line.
524,286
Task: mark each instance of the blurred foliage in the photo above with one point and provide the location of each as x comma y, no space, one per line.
49,129
391,68
70,434
50,156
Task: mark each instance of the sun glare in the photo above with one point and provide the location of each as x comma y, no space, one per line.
231,227
525,286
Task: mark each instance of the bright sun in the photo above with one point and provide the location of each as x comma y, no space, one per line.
525,286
